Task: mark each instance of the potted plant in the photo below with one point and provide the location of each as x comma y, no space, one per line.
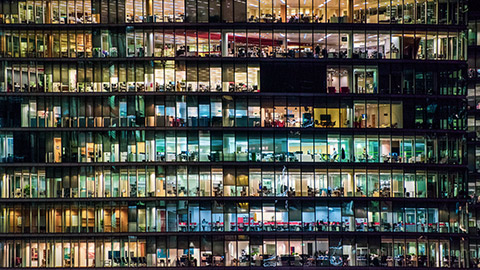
26,190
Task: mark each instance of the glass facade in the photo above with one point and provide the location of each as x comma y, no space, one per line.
254,181
246,134
267,42
443,12
473,145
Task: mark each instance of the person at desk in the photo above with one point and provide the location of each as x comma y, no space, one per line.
364,154
333,19
243,192
324,52
310,191
334,154
204,224
264,190
317,51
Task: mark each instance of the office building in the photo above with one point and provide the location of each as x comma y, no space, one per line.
257,133
473,136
